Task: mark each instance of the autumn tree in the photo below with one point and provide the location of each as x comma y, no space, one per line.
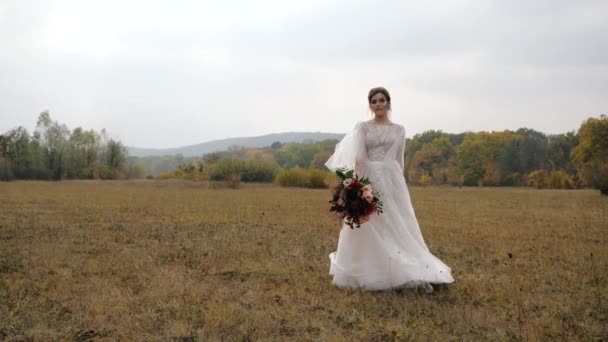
591,154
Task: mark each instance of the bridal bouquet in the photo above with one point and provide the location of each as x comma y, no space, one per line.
354,199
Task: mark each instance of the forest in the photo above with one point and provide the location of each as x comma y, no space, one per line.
524,157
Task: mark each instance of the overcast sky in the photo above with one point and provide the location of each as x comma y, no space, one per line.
174,73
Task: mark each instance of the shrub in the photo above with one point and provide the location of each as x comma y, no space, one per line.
305,178
560,180
556,179
537,179
425,179
293,177
249,170
318,179
220,170
511,179
259,171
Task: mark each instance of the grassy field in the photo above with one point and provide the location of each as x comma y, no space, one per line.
166,260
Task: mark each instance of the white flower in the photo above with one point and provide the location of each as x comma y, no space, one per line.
367,188
347,182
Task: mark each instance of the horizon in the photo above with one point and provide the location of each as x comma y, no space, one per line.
296,132
30,130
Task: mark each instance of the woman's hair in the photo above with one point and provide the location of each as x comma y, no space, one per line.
382,91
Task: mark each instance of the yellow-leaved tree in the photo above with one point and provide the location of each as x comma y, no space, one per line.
591,154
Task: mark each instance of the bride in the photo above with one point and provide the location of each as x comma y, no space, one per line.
388,251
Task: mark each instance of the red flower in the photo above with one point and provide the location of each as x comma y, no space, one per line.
372,209
347,202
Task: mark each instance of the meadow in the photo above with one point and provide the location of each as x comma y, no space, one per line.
187,261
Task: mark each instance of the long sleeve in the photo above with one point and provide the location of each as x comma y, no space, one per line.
350,152
401,150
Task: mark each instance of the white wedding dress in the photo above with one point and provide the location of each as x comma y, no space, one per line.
388,251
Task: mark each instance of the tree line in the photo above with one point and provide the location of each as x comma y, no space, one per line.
54,152
512,158
524,157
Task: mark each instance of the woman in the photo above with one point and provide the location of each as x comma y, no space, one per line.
388,251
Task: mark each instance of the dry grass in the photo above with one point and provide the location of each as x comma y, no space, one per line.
159,260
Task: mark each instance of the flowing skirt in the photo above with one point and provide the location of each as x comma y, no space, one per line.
388,251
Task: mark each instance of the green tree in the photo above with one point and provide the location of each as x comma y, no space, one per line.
417,142
53,137
532,149
478,155
560,147
116,159
319,159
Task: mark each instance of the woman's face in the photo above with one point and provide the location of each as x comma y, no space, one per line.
379,105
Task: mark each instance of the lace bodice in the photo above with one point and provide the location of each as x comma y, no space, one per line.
379,138
369,141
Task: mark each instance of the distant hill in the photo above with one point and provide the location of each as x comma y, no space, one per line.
224,144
